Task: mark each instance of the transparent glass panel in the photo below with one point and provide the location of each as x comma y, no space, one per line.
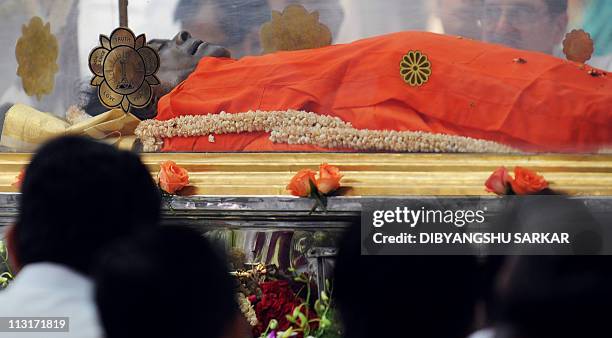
497,80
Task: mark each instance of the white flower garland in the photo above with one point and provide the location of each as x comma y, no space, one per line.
300,127
247,309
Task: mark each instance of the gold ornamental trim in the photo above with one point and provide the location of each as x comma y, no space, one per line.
37,51
294,29
267,174
578,46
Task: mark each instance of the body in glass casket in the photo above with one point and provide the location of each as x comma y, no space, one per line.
384,90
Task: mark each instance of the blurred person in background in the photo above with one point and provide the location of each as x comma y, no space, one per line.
167,283
598,22
234,24
404,296
78,195
535,25
367,18
461,17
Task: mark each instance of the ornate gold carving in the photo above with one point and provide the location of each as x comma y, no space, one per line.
578,46
37,52
294,29
124,69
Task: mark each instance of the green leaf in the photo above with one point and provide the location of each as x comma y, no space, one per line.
297,311
303,320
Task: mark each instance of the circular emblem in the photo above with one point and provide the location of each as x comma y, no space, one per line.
415,68
578,46
124,69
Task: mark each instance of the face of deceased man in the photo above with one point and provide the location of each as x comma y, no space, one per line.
535,25
180,55
178,58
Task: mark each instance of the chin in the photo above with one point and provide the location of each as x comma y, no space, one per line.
213,51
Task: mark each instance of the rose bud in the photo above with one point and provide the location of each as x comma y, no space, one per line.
527,182
499,181
329,178
172,178
300,183
19,179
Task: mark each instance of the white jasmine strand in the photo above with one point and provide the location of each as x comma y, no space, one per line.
300,127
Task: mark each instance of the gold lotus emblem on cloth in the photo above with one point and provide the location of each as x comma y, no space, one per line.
415,68
124,70
37,51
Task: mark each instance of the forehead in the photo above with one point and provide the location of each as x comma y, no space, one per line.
527,4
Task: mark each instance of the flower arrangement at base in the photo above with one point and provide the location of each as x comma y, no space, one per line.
524,182
283,305
6,274
306,184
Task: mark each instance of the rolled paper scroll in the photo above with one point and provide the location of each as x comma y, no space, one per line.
26,128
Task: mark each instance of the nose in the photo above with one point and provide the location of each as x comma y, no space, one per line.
182,37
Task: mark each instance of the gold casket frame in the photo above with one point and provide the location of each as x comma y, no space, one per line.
365,174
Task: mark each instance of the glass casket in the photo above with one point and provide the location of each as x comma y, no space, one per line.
406,98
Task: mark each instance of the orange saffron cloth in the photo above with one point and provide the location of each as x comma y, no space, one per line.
476,89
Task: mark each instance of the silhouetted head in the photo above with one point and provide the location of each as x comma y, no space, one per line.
79,195
168,283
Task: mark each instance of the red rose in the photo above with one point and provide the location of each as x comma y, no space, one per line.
329,178
527,182
19,179
172,177
499,181
300,183
277,300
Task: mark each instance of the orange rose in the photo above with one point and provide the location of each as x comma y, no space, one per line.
329,178
172,178
19,179
300,183
527,182
499,181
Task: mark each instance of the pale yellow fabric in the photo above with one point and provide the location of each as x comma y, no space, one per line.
25,128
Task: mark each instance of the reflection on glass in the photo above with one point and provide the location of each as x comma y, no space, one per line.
461,17
537,25
231,23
